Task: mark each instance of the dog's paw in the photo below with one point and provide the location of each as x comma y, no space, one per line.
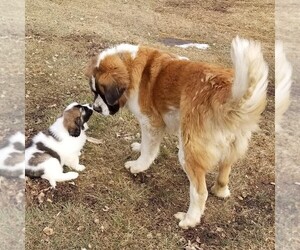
180,215
221,192
52,183
186,221
135,167
73,175
79,167
136,147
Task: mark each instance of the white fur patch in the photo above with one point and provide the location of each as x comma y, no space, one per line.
70,106
223,192
100,103
93,84
195,211
133,105
248,64
121,48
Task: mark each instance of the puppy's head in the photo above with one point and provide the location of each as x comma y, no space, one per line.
108,82
75,117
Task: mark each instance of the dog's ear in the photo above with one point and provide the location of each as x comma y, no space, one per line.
91,67
75,130
113,93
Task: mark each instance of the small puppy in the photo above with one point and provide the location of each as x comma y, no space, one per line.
49,151
12,156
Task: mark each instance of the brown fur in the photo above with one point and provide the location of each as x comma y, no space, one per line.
201,92
72,119
38,158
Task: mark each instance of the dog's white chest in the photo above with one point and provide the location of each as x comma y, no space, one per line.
134,107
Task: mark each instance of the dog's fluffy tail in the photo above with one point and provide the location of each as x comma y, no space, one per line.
283,82
251,79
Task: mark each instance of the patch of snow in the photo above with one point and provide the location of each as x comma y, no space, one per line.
196,45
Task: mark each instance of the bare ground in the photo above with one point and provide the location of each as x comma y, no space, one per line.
287,140
12,102
106,207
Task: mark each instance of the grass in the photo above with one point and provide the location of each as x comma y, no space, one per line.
136,212
11,227
12,218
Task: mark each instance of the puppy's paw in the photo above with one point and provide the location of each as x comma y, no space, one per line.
135,167
79,167
52,183
136,147
221,192
72,175
186,221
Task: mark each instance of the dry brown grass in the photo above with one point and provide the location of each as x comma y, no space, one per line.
61,36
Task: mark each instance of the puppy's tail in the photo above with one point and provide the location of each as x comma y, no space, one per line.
251,79
283,82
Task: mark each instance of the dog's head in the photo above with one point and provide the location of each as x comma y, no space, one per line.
108,81
75,117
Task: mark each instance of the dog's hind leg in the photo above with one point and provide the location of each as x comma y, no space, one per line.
73,162
237,150
53,172
151,138
220,188
198,195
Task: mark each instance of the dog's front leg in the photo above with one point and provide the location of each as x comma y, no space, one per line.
73,163
151,138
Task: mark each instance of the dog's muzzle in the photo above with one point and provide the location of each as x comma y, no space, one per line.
100,106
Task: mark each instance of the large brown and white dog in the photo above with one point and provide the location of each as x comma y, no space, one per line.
213,110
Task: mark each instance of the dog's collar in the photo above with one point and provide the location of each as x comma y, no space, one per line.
55,137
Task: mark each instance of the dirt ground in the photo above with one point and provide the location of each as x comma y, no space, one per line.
107,207
287,140
12,102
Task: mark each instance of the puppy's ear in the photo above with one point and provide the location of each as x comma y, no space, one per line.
113,93
91,67
75,130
